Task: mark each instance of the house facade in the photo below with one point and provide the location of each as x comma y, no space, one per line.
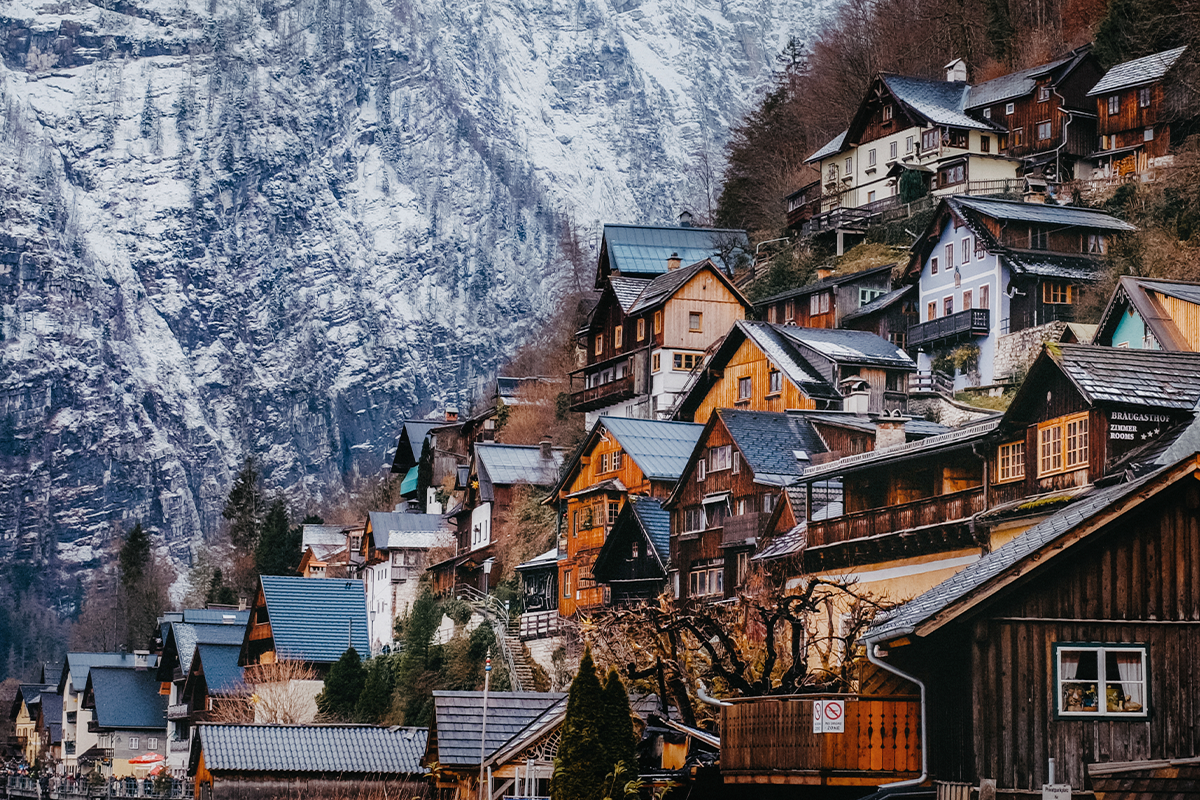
1152,314
1134,107
129,716
823,303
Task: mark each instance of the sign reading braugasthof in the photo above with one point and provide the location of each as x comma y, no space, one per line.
1130,429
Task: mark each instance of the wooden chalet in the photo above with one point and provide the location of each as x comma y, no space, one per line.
802,204
1049,120
987,268
823,303
1139,111
645,336
765,367
213,680
620,457
1152,314
888,316
301,619
325,550
633,564
1070,643
642,251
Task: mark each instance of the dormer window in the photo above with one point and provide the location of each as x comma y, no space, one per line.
887,112
1043,94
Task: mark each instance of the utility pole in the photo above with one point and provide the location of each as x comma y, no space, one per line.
487,675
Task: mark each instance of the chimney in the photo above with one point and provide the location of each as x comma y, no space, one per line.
685,219
956,70
824,272
889,429
673,262
547,450
141,660
451,414
857,396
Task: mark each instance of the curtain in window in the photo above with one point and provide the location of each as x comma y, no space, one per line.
1068,664
1133,680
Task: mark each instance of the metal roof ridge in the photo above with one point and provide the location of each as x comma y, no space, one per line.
929,443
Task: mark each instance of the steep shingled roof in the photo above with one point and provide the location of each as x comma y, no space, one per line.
222,674
1122,376
825,283
768,441
1011,86
126,698
1043,213
659,448
938,102
316,619
77,665
391,530
458,720
832,147
851,347
1137,72
330,749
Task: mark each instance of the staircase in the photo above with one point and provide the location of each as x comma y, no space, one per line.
512,651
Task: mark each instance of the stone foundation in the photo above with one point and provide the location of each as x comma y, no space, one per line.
1016,351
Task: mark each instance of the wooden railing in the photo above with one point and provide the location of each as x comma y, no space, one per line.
931,383
596,396
972,322
771,740
742,527
540,624
901,517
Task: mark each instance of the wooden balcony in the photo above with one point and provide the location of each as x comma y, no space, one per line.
603,395
770,740
737,529
972,322
891,519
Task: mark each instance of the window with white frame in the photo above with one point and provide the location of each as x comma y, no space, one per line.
1043,94
700,469
1148,135
887,112
692,519
567,591
965,255
849,166
818,303
1043,130
1009,108
1097,244
987,113
135,743
867,295
614,508
152,743
719,457
908,145
871,157
1101,680
768,503
985,296
892,148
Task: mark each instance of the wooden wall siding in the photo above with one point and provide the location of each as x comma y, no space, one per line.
877,522
913,482
770,740
1185,315
1061,240
750,361
1131,117
842,441
707,294
589,474
1027,113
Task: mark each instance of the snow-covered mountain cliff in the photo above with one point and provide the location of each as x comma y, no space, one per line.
281,225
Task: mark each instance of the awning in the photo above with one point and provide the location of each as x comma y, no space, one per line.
409,484
715,497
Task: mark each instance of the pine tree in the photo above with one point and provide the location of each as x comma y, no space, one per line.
580,767
376,698
617,734
343,686
134,558
278,548
244,506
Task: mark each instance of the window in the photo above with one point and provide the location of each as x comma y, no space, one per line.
719,457
966,249
949,255
985,144
789,310
695,319
685,362
892,148
737,462
613,509
774,382
1039,238
618,337
930,139
867,295
617,459
743,567
1017,135
1010,462
567,583
933,266
1148,135
641,328
705,582
1097,243
1114,104
949,176
693,519
1043,130
987,113
966,300
908,145
768,503
958,137
1056,293
771,314
700,465
871,195
947,306
599,345
744,388
152,743
871,157
1009,108
1043,94
656,362
134,743
818,303
657,322
604,463
932,315
1144,97
1062,444
985,296
1100,680
887,112
849,166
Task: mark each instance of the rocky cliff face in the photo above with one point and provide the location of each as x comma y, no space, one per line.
280,225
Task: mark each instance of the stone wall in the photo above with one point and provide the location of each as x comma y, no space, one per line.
948,412
1016,351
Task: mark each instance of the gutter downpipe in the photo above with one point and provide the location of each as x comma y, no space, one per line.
877,661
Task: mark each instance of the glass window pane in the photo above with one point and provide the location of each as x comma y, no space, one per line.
1126,681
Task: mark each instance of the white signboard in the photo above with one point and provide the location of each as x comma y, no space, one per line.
829,716
1056,791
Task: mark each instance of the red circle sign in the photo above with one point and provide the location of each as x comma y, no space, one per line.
833,711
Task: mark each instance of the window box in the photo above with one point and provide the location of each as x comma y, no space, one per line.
1101,680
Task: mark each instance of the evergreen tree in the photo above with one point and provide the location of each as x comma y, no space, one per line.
418,673
244,506
376,698
134,558
278,548
343,686
424,472
580,767
219,592
618,734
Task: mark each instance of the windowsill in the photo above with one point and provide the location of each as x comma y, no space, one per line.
773,396
1063,471
742,401
1007,481
869,170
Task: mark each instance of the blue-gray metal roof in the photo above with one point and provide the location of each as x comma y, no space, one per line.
458,719
52,712
1136,72
660,449
328,749
127,699
939,102
768,441
1123,376
187,636
903,620
655,522
222,674
850,347
879,303
782,353
644,249
507,464
394,530
316,619
1042,213
77,665
832,147
1011,86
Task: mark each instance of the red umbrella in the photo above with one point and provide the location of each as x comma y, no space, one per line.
149,758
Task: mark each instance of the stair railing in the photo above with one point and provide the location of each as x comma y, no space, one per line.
496,613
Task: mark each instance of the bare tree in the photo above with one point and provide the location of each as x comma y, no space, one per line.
280,693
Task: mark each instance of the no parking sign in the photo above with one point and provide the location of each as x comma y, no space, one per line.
829,716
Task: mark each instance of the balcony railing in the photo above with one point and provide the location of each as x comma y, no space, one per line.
603,395
177,711
905,516
972,322
771,740
736,530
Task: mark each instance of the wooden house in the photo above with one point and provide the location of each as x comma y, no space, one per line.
129,714
823,303
1137,114
539,595
25,713
326,762
300,619
987,268
633,564
79,739
213,680
802,204
1049,120
1068,644
642,251
515,755
1152,314
888,316
620,457
645,337
765,367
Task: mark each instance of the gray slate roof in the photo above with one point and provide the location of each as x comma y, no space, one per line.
939,102
52,712
1013,85
458,718
507,464
1116,375
221,671
187,636
328,535
77,665
127,699
543,561
392,530
875,457
312,619
655,521
1052,265
904,619
416,431
1137,72
832,147
644,249
331,749
660,449
916,427
1184,290
850,347
825,283
627,289
768,441
1042,213
781,351
879,303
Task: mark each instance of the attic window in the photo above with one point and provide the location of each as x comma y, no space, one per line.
887,112
987,113
641,328
1043,94
775,382
1144,97
1009,108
